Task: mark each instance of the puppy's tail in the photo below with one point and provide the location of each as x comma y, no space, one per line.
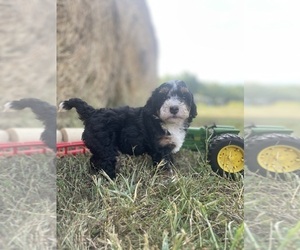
83,109
44,112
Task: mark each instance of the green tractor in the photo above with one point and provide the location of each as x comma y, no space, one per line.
271,149
267,148
223,147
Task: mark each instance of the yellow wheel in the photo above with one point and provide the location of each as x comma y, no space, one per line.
274,153
231,158
226,154
279,158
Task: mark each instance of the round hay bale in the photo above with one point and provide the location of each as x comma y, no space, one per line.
4,136
106,52
71,134
24,134
59,137
27,38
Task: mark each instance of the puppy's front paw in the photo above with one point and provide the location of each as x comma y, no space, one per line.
167,140
165,169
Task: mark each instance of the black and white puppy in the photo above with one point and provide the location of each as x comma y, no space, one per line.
158,128
44,112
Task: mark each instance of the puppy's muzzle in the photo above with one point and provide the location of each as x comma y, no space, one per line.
174,110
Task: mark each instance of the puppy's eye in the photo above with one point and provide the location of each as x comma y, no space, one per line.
184,97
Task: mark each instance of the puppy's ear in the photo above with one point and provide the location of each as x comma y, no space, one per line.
193,111
150,105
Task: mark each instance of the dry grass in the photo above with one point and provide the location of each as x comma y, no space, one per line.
280,113
272,211
27,203
141,209
287,110
231,110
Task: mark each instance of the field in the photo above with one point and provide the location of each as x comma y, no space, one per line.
272,211
198,210
230,114
237,114
143,209
279,113
27,202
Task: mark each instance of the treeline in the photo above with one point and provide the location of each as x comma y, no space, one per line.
255,93
250,93
210,93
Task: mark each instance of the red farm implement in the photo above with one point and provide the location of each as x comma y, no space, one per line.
71,148
37,147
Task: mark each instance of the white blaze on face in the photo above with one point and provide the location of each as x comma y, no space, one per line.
165,112
174,122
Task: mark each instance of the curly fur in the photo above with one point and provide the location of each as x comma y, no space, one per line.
157,129
44,112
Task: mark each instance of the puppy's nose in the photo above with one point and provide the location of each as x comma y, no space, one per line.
174,110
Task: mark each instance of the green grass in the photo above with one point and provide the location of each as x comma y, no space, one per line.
272,211
27,202
280,109
143,209
229,114
230,110
278,113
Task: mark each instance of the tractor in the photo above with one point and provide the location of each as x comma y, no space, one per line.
267,148
222,145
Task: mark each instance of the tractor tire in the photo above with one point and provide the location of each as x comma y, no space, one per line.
273,153
226,155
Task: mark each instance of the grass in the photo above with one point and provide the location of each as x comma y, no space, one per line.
231,109
237,114
280,109
272,211
229,114
27,203
279,113
143,209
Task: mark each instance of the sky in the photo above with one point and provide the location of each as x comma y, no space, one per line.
229,41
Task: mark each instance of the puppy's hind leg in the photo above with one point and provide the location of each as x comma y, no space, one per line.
104,154
108,165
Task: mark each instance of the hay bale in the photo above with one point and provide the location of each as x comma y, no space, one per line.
106,52
4,136
59,137
24,134
28,134
28,38
71,134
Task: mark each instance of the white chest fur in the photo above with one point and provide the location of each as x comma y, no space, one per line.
176,134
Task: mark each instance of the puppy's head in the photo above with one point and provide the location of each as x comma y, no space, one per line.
171,102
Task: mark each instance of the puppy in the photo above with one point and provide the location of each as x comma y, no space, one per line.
158,128
44,112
